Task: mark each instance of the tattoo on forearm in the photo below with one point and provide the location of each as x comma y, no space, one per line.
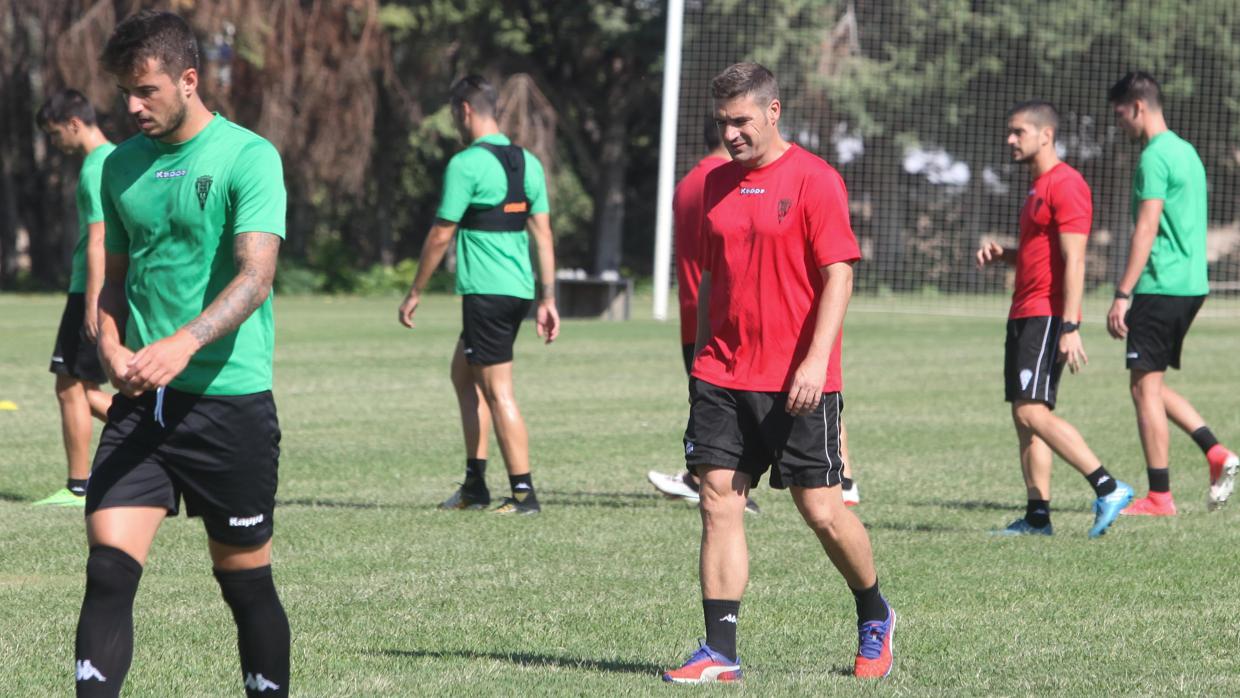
255,255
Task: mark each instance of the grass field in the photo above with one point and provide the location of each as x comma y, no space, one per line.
388,596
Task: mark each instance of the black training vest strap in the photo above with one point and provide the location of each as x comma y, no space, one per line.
510,214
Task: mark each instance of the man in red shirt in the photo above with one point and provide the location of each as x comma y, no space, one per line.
1043,324
766,388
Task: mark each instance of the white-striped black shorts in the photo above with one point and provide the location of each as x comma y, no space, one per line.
752,431
1031,365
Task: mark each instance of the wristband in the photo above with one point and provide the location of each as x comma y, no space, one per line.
1120,295
1067,327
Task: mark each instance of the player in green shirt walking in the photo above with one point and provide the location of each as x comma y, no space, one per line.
195,208
68,119
1165,279
493,192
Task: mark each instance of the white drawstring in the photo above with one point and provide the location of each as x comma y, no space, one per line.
159,407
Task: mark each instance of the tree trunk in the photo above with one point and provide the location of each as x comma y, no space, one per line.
609,190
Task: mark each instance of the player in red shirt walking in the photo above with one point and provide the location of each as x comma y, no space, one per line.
766,388
1043,324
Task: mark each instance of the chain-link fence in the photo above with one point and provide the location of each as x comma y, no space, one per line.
908,101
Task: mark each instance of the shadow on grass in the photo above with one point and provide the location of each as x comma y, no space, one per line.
912,527
996,506
10,497
531,660
608,500
329,503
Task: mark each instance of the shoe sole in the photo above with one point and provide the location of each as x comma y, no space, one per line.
710,675
686,494
1221,490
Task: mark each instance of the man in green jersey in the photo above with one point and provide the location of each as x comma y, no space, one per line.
493,192
68,119
1165,280
195,212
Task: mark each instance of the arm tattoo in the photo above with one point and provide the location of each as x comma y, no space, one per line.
255,256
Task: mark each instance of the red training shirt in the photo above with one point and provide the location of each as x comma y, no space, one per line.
766,234
1059,202
687,218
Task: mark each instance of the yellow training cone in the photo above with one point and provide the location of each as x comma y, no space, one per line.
8,405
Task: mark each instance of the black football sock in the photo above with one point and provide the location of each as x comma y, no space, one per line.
475,474
1205,439
522,487
104,644
721,625
870,604
262,630
77,487
846,483
1038,512
1101,481
1160,479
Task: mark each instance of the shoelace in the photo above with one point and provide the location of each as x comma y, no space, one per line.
871,636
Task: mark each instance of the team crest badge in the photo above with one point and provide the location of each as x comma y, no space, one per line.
785,205
204,188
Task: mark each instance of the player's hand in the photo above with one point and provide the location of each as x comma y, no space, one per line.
1115,319
90,325
115,363
988,253
155,365
1072,350
405,313
806,390
548,324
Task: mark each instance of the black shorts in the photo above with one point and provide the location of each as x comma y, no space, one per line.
751,431
74,355
490,324
219,453
686,350
1157,326
1031,365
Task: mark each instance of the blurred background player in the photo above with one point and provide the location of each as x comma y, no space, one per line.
68,119
195,212
493,190
1044,321
1165,279
777,259
687,221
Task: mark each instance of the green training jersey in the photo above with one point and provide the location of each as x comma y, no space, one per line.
174,209
1171,170
89,210
490,262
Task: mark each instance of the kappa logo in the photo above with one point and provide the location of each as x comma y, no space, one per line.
170,174
1133,355
752,191
260,683
1103,479
204,187
244,521
688,447
785,205
730,618
87,672
1025,376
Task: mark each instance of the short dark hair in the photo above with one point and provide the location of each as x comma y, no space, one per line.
710,133
480,94
1041,112
1137,84
149,34
63,106
742,79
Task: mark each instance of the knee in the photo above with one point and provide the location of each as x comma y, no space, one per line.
111,573
1143,390
1027,415
822,520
